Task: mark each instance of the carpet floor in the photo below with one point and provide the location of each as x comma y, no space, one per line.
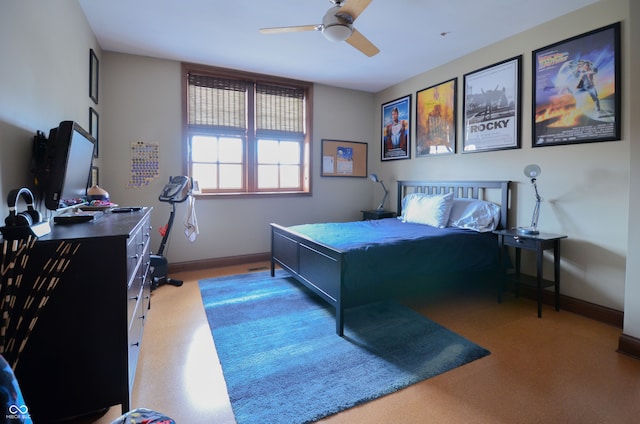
283,362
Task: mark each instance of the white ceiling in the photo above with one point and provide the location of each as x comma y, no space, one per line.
409,34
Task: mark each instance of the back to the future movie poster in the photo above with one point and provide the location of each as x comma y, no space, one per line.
576,89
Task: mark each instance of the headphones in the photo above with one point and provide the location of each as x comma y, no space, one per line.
25,218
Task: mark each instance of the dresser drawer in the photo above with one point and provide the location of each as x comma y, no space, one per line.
134,293
137,245
134,256
135,339
138,257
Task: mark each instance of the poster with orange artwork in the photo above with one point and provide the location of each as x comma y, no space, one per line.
436,119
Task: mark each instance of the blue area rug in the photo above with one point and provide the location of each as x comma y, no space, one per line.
283,362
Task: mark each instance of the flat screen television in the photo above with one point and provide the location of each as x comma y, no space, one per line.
69,157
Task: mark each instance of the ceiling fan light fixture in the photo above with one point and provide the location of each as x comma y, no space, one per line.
337,32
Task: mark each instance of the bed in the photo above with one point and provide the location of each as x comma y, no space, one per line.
352,263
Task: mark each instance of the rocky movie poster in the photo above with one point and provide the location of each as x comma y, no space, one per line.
491,108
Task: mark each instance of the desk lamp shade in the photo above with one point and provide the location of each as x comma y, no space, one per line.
533,171
375,179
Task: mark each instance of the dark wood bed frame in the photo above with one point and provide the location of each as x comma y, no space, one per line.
320,267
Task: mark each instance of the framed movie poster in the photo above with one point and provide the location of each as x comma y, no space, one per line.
436,119
492,107
576,89
396,129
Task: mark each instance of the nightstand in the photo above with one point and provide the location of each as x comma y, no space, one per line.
376,214
536,243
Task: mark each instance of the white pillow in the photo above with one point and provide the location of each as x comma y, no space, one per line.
429,209
474,214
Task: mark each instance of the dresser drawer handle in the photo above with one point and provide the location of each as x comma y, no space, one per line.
135,344
134,298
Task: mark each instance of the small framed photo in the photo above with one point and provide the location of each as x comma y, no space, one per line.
576,89
436,119
94,129
492,106
396,129
94,74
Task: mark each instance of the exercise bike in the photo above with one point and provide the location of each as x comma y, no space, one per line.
177,190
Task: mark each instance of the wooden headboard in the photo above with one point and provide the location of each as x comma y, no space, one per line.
495,191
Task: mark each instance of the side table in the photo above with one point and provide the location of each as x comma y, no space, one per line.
537,243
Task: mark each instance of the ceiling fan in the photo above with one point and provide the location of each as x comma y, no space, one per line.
337,25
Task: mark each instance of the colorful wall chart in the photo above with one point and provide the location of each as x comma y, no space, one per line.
145,163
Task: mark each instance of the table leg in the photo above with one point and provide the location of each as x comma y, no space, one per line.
518,262
556,272
501,271
539,262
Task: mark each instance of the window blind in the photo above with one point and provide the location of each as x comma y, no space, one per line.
279,111
217,102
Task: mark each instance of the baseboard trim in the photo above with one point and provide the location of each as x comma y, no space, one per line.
577,306
219,262
629,345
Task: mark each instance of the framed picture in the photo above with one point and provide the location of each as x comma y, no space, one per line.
436,119
576,89
492,107
94,129
94,68
344,158
396,129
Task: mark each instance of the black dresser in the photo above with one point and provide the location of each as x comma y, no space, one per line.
82,354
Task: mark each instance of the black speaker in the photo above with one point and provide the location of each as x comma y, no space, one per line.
27,217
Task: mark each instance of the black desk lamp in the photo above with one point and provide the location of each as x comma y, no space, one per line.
375,179
532,171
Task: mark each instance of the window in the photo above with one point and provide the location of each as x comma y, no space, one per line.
247,133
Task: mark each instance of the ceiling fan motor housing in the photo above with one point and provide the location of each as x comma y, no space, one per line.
335,27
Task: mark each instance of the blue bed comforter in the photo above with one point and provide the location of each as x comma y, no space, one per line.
382,251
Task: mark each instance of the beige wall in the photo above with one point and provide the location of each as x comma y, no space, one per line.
141,102
44,79
632,286
585,187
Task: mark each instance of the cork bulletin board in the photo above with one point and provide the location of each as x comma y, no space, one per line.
344,158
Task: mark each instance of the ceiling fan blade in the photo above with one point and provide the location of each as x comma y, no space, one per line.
361,43
354,8
299,28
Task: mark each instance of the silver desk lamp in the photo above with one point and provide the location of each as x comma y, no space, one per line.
375,179
532,171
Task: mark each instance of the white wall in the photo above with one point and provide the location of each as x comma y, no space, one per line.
585,187
141,102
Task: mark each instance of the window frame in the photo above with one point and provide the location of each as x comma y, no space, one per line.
251,161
